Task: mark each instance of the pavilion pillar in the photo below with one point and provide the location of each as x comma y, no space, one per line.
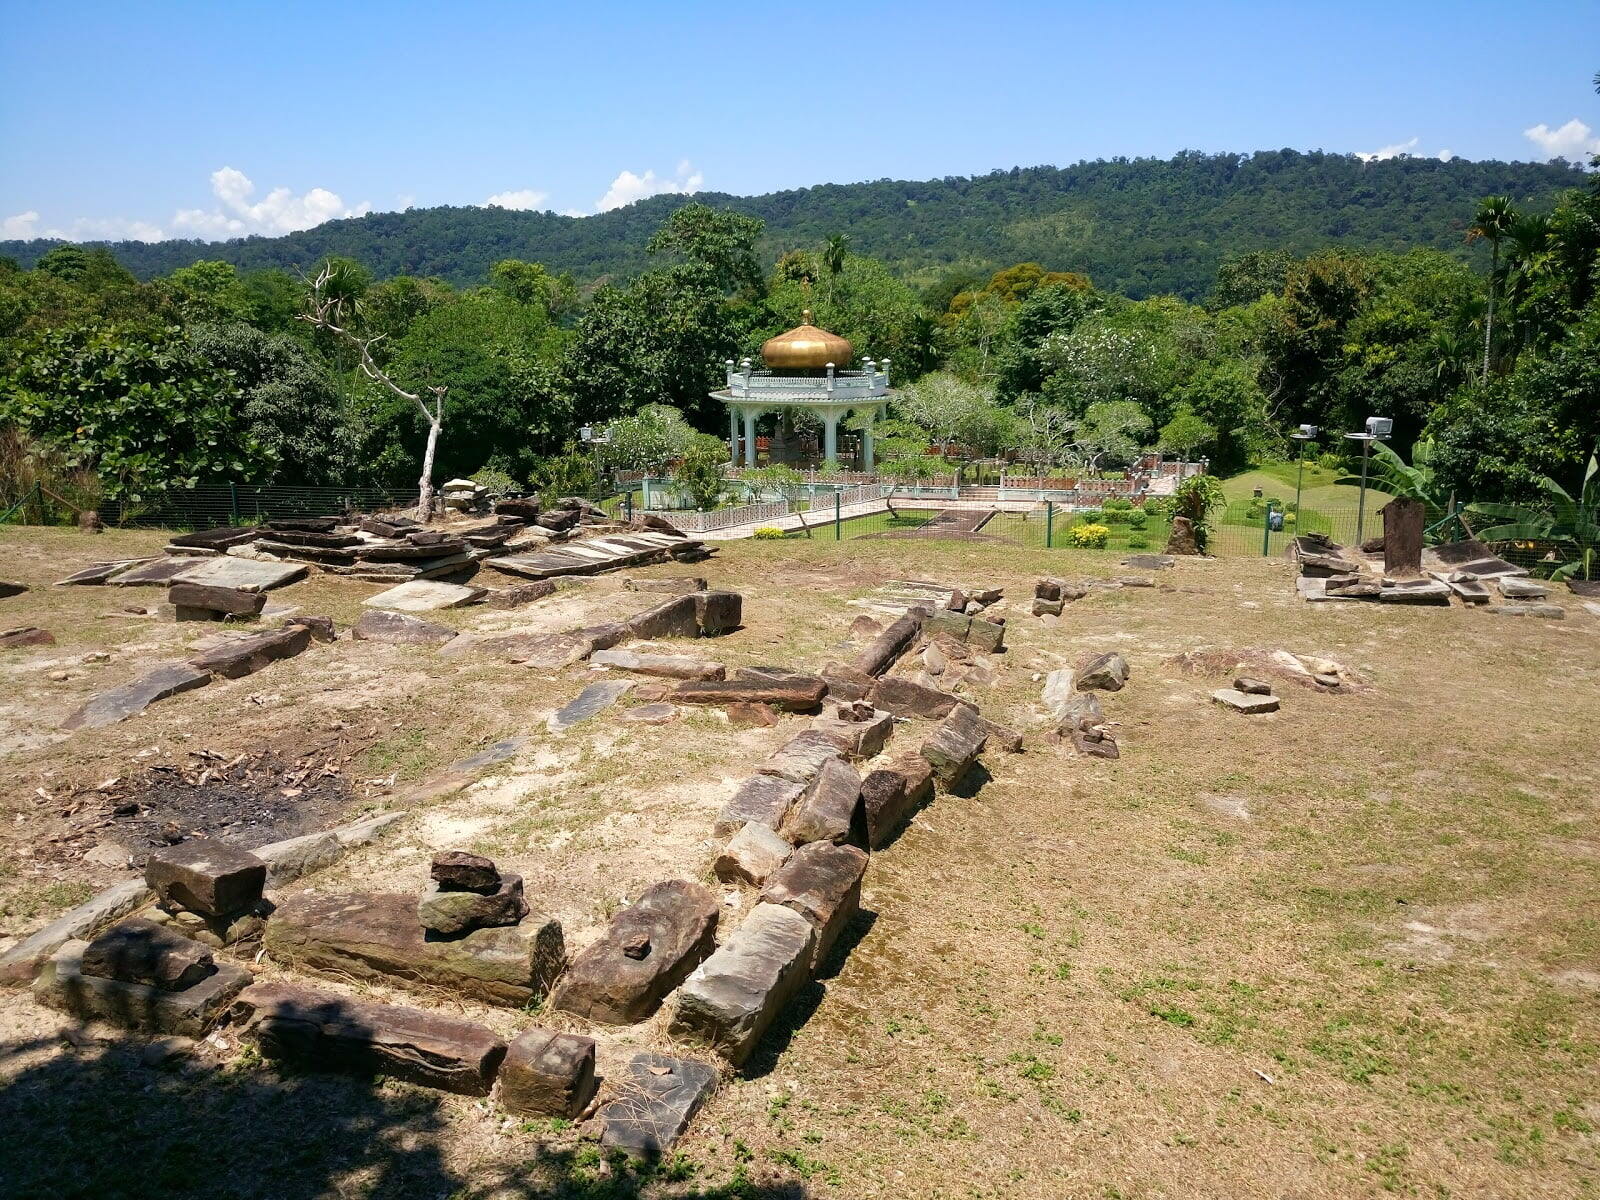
750,415
830,437
866,443
733,435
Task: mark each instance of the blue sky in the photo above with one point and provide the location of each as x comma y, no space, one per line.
214,120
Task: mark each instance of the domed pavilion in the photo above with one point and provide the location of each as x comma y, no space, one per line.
805,370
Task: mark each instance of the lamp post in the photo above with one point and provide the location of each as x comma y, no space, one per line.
1304,435
596,438
1377,429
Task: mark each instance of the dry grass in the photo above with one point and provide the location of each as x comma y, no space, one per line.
1348,949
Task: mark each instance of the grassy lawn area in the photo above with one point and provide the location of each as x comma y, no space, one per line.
1347,949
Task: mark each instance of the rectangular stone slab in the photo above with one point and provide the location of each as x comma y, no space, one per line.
665,666
891,794
216,539
164,681
732,997
590,702
206,876
675,617
140,951
99,572
422,595
645,952
657,1099
908,698
826,812
190,1012
955,745
22,961
801,757
153,573
798,693
242,574
1245,702
858,739
763,799
323,1030
376,936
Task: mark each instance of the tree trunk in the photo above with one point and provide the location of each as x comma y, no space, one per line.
1488,321
425,484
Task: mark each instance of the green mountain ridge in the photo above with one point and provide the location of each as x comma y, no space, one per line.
1141,226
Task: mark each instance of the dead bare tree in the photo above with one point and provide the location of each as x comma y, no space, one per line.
333,303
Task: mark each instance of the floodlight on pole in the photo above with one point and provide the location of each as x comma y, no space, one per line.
1377,429
1303,435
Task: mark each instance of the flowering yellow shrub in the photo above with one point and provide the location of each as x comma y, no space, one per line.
768,533
1088,537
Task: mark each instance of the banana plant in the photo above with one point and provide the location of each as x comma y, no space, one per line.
1571,526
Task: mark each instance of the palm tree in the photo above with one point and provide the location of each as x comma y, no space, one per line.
1528,258
833,255
1493,223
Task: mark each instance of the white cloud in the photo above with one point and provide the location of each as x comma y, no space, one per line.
1446,155
522,200
280,211
20,227
1574,140
628,187
1394,151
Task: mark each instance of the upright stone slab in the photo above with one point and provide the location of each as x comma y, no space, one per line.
732,997
821,882
657,1098
188,1012
547,1074
718,613
1403,519
891,794
826,812
677,617
763,799
245,656
211,878
645,952
987,636
323,1030
376,936
955,746
166,680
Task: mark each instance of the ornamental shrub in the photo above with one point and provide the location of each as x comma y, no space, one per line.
1137,519
768,533
1088,537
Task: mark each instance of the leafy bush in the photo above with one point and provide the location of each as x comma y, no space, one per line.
1091,516
570,474
1117,504
1196,498
1138,542
1137,519
768,533
1088,537
699,471
1116,516
496,482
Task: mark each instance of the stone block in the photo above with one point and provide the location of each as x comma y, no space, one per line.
190,1012
206,877
847,683
889,795
140,951
751,855
1093,741
449,912
28,635
1514,588
1245,702
826,812
376,936
425,595
718,612
732,997
822,882
987,636
907,698
547,1074
658,1097
798,693
166,680
237,658
858,736
323,1030
677,617
242,574
764,799
22,961
878,655
1047,608
1059,688
955,746
1047,590
1001,736
522,593
1553,612
801,757
1103,672
644,953
227,601
954,624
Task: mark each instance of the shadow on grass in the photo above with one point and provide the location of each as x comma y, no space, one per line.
97,1121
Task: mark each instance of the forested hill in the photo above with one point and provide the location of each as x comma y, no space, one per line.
1138,226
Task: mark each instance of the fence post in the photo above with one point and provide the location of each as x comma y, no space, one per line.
1266,530
838,529
1049,524
233,503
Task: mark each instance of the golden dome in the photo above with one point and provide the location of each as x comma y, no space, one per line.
807,346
